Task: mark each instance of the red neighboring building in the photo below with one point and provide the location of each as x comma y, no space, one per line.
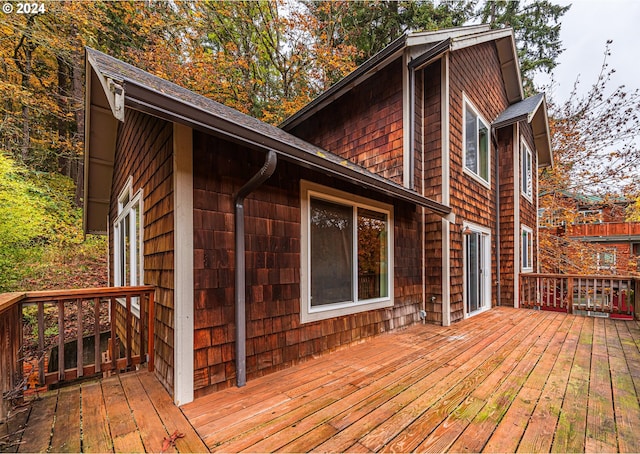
599,223
406,192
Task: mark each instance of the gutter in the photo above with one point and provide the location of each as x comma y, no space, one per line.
263,174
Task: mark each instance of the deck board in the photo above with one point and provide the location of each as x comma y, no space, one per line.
129,412
504,381
508,380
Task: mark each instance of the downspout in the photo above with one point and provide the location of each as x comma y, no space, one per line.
241,325
494,138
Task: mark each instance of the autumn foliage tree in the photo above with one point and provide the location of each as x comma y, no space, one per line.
595,141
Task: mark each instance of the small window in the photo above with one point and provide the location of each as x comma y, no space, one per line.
476,144
347,242
527,172
127,236
607,259
526,249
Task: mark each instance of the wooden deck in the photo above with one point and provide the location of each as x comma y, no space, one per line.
507,380
504,381
130,412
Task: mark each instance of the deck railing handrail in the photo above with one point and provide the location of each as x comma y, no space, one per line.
126,328
604,295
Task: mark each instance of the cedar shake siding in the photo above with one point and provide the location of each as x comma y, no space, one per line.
507,216
275,336
474,72
364,125
432,178
144,150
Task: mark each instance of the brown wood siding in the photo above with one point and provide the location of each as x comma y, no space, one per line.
507,216
364,125
144,151
474,71
275,336
432,172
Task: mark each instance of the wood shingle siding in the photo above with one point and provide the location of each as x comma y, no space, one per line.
474,73
365,125
275,336
144,151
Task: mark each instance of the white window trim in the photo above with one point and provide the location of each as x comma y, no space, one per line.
466,102
526,157
135,263
486,282
309,314
529,232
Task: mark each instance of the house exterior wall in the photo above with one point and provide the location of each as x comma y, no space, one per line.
432,180
364,125
474,74
144,152
275,336
506,215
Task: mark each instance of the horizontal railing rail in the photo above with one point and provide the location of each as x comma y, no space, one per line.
54,336
611,296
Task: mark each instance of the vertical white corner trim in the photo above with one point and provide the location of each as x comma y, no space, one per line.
517,236
406,122
446,190
183,263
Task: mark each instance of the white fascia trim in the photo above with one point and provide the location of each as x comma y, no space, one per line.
183,391
469,40
418,38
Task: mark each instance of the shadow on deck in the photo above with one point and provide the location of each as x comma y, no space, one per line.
506,380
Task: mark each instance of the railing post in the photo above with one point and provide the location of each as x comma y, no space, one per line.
61,340
96,335
113,333
569,295
151,331
636,298
41,352
80,337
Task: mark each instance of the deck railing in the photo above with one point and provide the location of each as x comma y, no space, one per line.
121,316
609,296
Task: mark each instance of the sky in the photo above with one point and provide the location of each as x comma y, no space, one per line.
585,29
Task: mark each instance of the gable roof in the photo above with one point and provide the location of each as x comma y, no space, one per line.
533,110
422,48
113,85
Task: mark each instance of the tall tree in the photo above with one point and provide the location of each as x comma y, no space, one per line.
596,146
537,28
371,25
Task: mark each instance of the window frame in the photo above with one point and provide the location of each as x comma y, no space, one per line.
526,171
526,231
479,120
607,265
312,314
130,205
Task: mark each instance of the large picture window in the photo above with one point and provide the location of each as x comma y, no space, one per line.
476,144
127,241
347,262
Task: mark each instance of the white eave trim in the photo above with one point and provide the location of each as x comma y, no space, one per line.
419,38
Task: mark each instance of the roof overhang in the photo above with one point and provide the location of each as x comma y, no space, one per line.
113,86
533,110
